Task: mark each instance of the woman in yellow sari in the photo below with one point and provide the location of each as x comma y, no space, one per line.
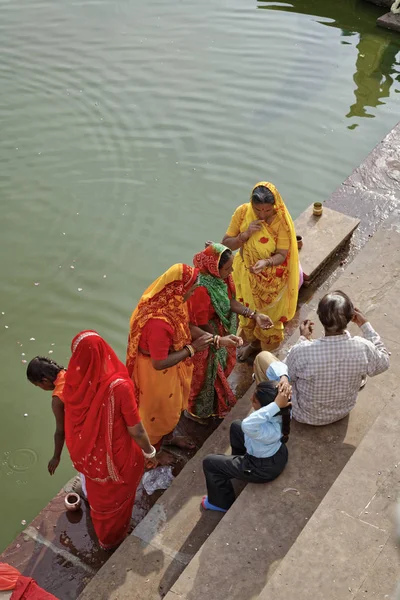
160,347
266,268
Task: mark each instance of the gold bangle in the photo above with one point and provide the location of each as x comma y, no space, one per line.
192,351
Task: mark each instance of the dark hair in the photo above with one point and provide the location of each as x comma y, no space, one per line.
266,392
224,258
41,368
335,311
262,195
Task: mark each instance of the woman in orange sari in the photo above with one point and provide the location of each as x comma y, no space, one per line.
266,268
104,435
160,347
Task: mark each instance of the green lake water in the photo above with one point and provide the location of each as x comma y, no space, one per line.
130,131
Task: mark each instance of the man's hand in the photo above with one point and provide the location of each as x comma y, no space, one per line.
358,318
307,328
53,464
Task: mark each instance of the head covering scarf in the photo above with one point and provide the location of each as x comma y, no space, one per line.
93,372
208,264
263,239
163,299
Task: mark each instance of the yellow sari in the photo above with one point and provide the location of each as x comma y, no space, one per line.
274,291
162,395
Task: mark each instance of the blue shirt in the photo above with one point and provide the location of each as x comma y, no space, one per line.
276,370
263,431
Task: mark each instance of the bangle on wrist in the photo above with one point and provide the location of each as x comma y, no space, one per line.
190,349
150,454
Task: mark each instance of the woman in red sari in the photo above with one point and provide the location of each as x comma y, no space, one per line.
213,308
104,435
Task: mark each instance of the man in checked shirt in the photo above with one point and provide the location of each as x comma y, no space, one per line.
326,374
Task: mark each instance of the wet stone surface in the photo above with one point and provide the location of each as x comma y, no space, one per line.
59,548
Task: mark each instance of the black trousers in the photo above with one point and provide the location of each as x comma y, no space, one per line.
219,469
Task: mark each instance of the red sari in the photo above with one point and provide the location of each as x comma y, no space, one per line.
210,393
100,404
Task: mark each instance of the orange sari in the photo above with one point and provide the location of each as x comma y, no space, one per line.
162,395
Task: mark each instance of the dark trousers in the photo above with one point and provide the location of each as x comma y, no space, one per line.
219,469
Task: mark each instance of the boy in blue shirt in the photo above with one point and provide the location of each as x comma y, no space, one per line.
259,453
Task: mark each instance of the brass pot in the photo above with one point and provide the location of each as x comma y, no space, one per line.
317,209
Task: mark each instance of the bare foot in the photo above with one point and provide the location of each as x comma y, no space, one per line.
165,458
198,420
246,352
181,441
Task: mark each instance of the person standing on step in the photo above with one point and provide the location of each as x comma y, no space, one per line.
161,345
327,373
266,268
214,308
259,452
104,434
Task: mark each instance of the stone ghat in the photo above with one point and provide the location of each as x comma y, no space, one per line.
63,556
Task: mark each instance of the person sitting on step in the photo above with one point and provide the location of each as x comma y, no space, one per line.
327,373
259,452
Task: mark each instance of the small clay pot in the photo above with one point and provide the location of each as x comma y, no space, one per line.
72,501
299,239
317,209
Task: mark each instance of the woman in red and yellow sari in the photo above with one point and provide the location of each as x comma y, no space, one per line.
160,347
213,308
104,435
266,268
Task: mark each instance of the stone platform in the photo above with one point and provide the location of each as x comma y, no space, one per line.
389,21
241,555
370,194
322,237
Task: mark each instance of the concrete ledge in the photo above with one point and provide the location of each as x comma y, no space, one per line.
386,3
322,237
349,541
148,563
389,21
244,550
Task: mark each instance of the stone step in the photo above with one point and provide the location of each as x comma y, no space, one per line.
349,542
244,550
151,559
389,21
322,237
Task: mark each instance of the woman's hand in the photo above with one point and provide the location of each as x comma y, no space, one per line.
53,464
202,342
283,399
253,227
231,340
260,266
263,321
